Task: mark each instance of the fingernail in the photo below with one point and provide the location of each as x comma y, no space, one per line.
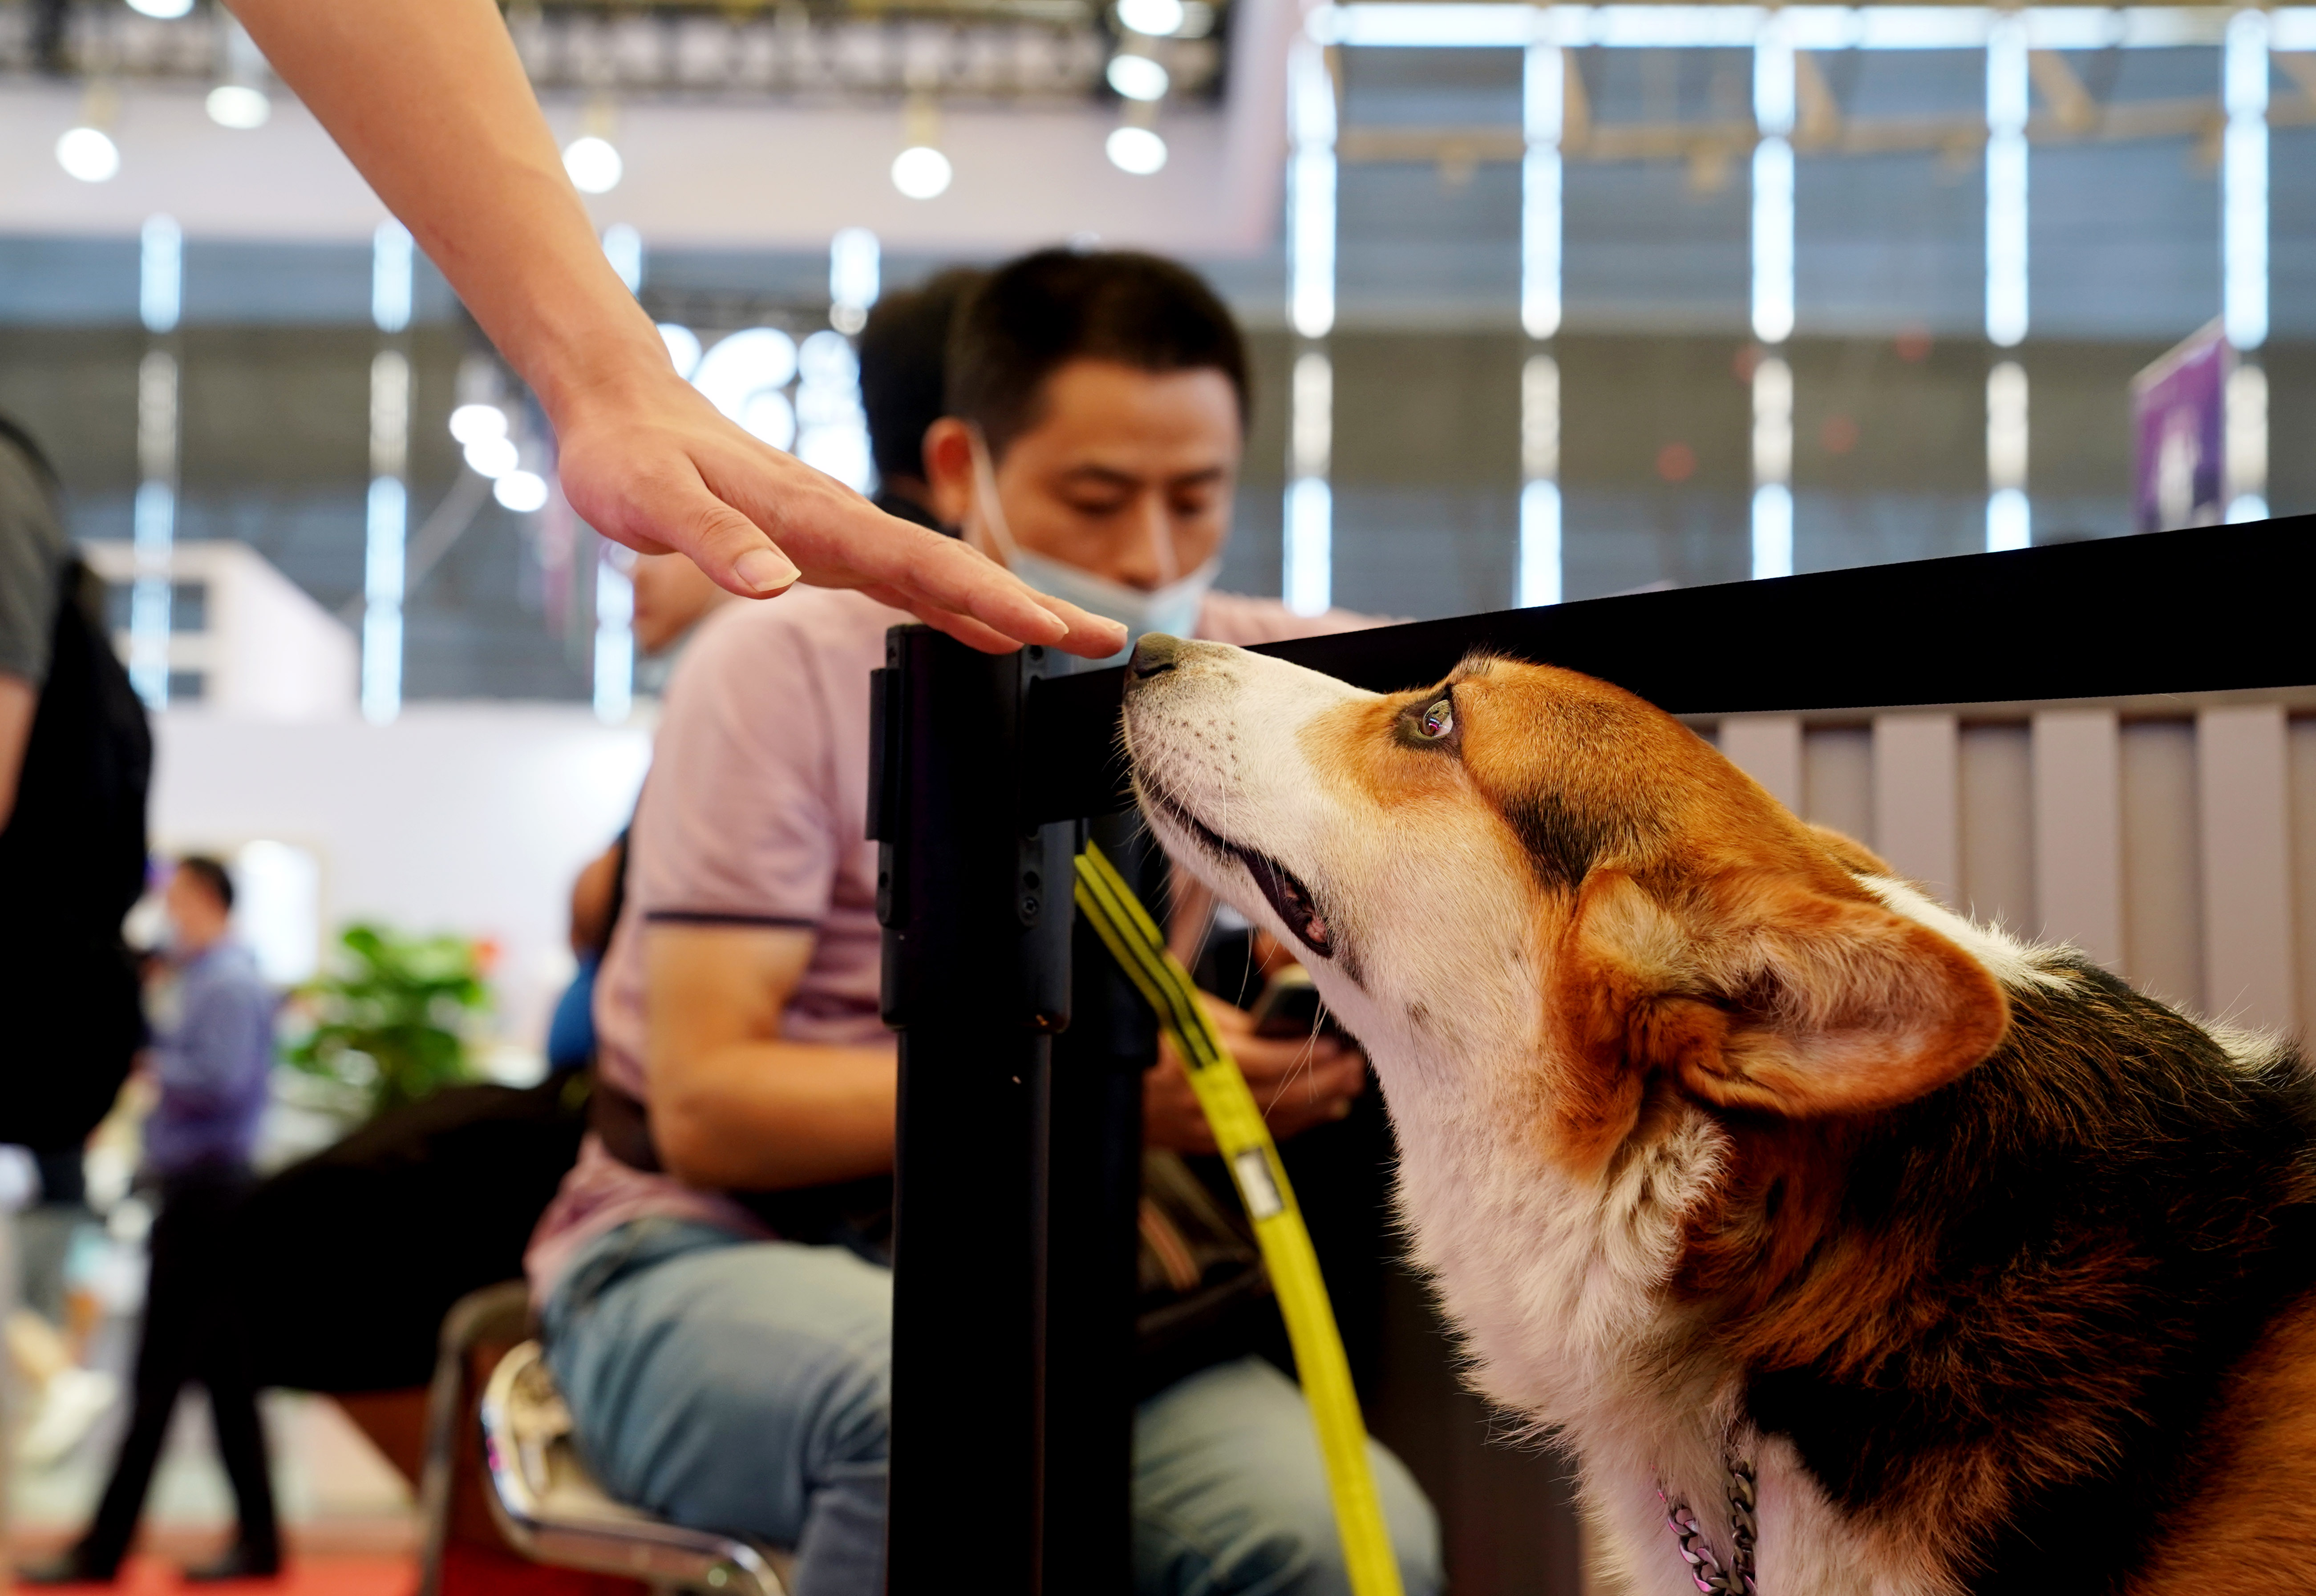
766,569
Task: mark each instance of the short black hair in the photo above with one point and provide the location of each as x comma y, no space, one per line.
905,366
212,874
1035,314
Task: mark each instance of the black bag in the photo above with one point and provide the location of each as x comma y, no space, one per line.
72,863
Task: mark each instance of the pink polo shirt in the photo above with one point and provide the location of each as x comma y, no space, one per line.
755,814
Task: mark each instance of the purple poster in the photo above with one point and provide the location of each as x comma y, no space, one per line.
2179,416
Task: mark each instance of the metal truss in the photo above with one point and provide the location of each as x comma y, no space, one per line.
1008,50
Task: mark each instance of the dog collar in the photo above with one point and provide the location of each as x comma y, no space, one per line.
1704,1567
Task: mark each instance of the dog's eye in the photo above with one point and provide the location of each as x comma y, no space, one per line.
1437,721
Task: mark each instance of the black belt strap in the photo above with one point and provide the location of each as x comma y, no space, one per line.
623,1125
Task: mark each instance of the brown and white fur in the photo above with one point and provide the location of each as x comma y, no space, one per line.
1717,1141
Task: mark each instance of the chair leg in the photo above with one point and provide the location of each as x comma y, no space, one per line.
471,1317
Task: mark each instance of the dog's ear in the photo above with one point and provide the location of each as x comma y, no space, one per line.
1780,997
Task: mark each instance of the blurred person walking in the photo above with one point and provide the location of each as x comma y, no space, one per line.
212,1056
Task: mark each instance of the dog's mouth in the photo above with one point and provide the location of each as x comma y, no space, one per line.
1289,899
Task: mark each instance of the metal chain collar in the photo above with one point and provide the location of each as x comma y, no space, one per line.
1704,1567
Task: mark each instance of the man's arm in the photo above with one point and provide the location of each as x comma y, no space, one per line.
19,701
430,101
732,1105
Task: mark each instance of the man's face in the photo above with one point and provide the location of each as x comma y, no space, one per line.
1126,474
196,918
672,594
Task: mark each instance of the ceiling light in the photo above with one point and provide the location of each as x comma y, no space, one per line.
237,105
843,452
88,154
683,347
593,164
472,423
827,361
745,365
1136,150
493,457
1137,77
520,490
921,171
166,10
769,416
1159,19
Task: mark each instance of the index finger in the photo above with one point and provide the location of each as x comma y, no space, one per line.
839,539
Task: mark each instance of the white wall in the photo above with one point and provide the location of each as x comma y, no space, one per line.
467,818
268,651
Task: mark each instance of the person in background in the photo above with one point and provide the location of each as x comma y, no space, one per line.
594,909
712,1278
672,597
905,385
211,1059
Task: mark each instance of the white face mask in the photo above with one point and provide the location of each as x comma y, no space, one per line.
1172,609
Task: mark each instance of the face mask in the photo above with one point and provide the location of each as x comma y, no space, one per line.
1172,608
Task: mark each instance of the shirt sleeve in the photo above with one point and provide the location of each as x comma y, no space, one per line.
32,548
737,825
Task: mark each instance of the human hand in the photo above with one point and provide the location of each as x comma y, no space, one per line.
1297,1082
649,463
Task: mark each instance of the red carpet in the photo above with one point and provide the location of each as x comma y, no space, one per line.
305,1576
466,1571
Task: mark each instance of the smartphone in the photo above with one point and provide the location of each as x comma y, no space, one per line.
1289,1005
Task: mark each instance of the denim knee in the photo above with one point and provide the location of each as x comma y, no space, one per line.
1231,1496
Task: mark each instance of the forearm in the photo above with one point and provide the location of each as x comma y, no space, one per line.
775,1115
20,700
428,100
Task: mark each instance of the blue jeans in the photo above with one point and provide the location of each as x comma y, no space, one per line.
742,1386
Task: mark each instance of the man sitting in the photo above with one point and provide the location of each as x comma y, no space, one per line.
727,1373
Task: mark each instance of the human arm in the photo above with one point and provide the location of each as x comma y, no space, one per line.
430,101
19,700
1297,1081
733,1105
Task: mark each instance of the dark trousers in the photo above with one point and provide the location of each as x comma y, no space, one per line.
187,1337
331,1275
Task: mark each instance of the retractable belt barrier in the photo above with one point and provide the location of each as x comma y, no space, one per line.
1135,940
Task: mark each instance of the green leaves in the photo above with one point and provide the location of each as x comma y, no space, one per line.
392,1021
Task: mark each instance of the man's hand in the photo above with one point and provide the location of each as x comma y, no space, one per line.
649,463
478,178
1297,1081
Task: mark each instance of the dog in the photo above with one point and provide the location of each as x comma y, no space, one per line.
1847,1245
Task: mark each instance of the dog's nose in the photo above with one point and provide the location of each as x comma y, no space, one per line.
1154,655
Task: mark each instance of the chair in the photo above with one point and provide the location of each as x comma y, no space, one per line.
495,1316
551,1510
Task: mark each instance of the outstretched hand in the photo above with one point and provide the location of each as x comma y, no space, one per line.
653,465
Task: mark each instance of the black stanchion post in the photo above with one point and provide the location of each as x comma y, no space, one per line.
1091,1134
976,909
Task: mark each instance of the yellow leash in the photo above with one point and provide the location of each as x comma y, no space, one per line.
1127,930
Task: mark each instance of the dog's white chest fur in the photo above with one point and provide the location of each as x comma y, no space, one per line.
1560,1291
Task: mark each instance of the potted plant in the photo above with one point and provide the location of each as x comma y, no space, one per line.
392,1023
